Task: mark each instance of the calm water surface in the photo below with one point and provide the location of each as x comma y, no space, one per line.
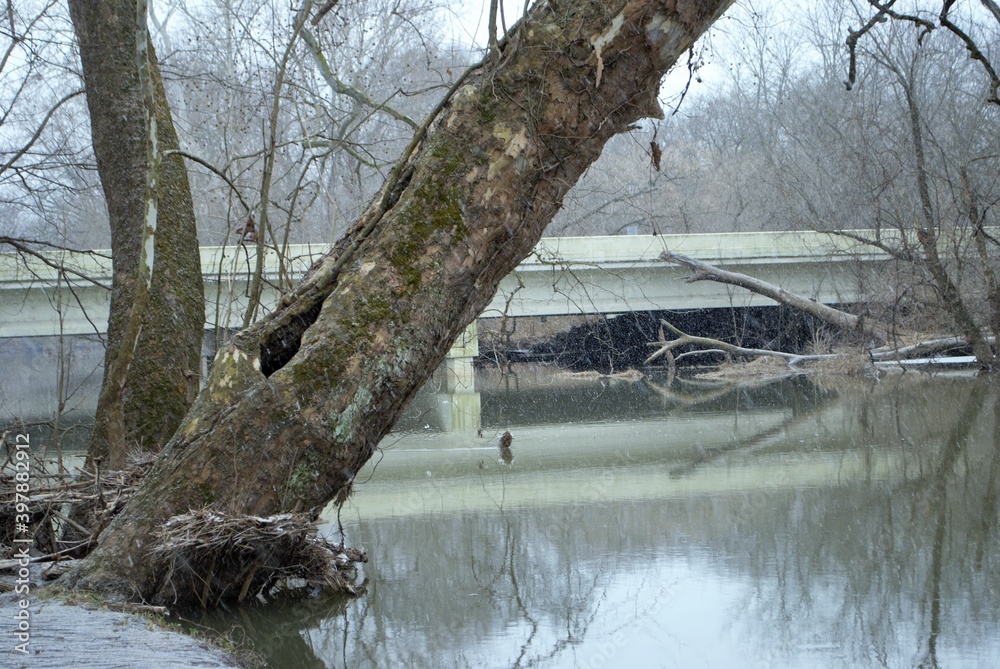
796,523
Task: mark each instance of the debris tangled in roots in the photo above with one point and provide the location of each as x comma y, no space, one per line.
66,511
209,557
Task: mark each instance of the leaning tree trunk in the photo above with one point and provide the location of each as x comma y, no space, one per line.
159,383
298,403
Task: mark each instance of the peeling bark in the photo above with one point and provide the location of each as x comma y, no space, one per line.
460,211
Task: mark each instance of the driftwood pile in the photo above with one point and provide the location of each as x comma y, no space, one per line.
212,557
66,511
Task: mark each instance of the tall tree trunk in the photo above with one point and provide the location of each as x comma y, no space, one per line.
299,402
927,237
159,383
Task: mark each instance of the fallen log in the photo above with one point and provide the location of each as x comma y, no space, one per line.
878,332
928,348
702,271
886,357
716,346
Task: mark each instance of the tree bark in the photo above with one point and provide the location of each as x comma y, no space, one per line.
161,380
299,402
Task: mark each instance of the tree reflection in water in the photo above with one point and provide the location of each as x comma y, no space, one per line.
798,523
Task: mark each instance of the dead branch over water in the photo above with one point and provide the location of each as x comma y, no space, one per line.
890,350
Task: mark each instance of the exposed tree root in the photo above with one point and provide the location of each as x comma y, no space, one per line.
207,557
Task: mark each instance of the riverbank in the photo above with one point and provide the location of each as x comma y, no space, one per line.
63,633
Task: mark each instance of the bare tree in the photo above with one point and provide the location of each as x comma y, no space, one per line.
905,163
971,29
298,403
938,224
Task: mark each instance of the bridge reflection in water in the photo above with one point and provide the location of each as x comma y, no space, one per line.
782,524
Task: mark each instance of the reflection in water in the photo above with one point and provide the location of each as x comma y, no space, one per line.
785,525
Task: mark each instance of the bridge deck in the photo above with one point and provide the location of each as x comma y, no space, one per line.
567,275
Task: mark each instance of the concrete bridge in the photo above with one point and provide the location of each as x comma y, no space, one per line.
564,275
569,275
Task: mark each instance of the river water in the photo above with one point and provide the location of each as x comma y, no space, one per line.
669,523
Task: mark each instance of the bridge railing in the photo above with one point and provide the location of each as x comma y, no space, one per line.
18,268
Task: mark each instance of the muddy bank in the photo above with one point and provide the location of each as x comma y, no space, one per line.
64,635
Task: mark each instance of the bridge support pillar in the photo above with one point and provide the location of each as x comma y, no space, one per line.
459,405
459,373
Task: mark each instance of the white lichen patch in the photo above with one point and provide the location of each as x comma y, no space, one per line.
346,421
230,368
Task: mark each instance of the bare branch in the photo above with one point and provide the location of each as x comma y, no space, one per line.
993,7
323,11
341,88
852,44
885,11
716,345
38,132
214,170
975,53
494,47
891,251
23,247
